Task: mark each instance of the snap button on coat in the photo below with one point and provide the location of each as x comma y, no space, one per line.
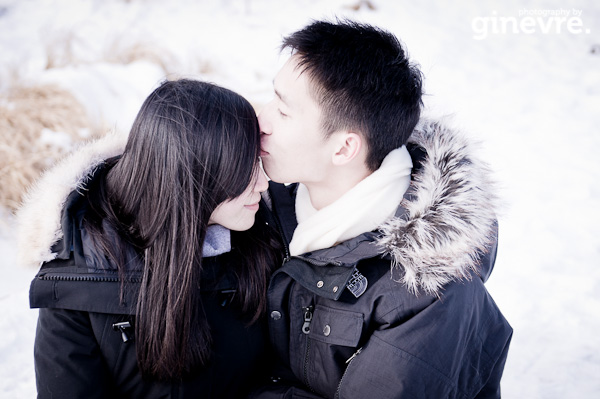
275,315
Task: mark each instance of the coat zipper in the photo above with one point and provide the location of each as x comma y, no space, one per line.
86,278
308,315
280,231
348,362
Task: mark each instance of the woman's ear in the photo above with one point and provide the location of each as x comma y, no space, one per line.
348,146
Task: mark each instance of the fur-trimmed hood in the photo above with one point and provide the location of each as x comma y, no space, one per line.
39,218
444,229
445,223
447,220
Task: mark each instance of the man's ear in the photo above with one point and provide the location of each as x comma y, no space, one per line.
348,147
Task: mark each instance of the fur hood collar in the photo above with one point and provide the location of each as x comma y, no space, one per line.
445,227
447,220
39,218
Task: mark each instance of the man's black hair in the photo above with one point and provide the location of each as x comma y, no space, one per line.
363,80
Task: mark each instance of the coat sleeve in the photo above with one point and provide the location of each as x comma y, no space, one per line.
68,362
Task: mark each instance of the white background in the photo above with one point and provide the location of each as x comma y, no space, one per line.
531,98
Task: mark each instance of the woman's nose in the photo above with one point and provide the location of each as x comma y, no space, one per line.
261,182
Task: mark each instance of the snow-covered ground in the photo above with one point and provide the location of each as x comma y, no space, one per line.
513,74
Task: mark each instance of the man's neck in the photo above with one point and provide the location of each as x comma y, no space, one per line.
336,185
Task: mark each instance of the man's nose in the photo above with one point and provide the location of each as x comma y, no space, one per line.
263,120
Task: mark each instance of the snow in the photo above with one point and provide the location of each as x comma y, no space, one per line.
532,98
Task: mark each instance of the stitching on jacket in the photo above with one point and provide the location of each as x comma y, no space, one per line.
402,353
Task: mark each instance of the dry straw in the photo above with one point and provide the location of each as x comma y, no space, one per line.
31,121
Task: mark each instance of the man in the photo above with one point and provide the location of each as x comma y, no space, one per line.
390,233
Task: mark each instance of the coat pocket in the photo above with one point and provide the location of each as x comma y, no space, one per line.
336,327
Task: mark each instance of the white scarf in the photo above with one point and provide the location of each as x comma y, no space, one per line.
363,208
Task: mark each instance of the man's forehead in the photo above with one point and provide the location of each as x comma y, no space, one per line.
290,79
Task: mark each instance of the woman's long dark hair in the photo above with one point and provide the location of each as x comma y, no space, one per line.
192,146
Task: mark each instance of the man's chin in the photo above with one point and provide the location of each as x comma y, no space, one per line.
273,176
267,168
271,171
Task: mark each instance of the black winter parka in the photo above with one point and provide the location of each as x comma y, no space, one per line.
85,345
400,312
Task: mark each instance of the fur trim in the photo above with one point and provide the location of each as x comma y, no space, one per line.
39,218
450,214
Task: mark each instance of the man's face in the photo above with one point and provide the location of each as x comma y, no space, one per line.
293,145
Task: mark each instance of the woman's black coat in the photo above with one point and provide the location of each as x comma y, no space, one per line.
85,345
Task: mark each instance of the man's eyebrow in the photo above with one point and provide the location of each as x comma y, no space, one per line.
281,96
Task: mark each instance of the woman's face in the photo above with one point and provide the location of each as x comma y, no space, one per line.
238,213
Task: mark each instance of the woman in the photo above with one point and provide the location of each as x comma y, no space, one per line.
150,287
